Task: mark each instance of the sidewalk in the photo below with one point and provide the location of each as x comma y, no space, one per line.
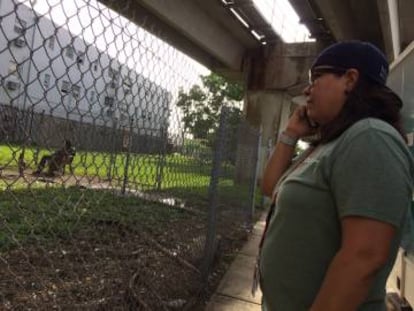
234,291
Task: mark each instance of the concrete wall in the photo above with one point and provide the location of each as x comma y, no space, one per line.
276,76
22,126
269,111
401,80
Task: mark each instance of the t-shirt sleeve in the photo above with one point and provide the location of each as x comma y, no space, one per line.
370,177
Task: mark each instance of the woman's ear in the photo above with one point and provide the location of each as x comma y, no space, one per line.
351,76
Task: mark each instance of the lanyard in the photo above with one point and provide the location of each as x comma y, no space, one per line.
256,274
281,180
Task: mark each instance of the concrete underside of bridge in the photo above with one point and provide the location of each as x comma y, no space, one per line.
207,31
204,30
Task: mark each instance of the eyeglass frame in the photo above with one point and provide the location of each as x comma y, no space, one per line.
322,70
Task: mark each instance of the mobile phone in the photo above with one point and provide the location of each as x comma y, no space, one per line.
311,123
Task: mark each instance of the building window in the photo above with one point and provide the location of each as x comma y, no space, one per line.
20,26
112,73
76,91
109,112
65,86
80,59
92,96
51,43
11,85
19,42
13,68
109,101
113,84
70,52
46,80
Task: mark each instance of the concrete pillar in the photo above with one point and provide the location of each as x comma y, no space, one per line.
275,75
270,111
395,27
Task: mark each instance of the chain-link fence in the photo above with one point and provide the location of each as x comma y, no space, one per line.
107,200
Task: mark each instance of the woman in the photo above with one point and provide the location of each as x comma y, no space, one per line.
340,209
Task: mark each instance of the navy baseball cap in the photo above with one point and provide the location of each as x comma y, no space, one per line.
363,56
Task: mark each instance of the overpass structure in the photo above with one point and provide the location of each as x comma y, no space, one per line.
225,35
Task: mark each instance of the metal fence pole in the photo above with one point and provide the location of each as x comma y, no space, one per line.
112,158
128,155
162,159
253,183
210,246
37,147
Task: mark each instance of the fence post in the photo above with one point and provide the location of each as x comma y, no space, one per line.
37,148
253,182
210,245
125,181
112,158
161,162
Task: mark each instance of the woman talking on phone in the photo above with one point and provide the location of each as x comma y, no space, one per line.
341,206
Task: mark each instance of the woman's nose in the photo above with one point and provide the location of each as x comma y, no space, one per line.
306,90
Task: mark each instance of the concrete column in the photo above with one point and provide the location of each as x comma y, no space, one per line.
269,110
395,27
273,78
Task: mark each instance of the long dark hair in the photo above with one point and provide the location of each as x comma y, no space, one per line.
367,100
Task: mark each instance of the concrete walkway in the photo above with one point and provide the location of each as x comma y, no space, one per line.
234,291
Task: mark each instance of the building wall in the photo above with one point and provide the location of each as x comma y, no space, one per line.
47,71
401,80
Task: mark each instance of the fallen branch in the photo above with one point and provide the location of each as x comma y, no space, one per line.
149,288
134,295
183,262
154,292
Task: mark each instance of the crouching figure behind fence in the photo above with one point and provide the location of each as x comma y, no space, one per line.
57,161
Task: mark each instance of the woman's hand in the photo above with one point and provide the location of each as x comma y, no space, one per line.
298,125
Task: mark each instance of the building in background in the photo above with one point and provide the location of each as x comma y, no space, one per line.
46,71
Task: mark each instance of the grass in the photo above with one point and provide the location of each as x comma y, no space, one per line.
180,174
46,211
143,169
57,213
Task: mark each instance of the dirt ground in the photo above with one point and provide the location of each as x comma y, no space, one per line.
110,266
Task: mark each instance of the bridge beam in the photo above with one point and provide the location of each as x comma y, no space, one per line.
189,27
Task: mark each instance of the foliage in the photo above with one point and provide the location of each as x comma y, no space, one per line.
201,105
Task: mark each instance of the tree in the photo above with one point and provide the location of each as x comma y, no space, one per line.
201,105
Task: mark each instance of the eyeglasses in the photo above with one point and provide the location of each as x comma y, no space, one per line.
318,72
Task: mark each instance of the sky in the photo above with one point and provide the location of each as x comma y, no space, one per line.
281,15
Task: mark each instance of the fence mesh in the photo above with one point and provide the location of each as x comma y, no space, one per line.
108,200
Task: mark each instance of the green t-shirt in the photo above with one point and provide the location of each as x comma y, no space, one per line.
367,172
